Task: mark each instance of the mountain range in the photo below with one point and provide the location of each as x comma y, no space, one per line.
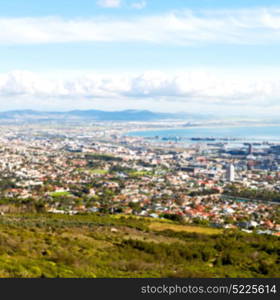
94,115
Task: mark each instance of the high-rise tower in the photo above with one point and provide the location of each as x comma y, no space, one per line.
230,173
250,149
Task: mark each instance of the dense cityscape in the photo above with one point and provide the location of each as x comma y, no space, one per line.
99,168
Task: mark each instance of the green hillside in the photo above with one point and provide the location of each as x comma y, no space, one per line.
48,245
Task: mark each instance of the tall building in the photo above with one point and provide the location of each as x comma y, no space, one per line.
230,173
250,149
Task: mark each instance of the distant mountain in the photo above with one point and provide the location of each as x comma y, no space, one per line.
94,115
125,115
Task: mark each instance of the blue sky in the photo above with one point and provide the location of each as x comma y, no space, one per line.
211,55
88,8
127,55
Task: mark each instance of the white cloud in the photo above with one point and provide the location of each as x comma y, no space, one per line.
183,90
139,5
255,27
109,3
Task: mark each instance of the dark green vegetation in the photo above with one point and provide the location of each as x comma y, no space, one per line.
104,157
47,245
255,194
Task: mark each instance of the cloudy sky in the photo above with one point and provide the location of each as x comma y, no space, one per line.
182,55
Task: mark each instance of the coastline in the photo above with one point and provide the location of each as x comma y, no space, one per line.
179,131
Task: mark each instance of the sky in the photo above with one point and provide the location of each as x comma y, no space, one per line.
197,56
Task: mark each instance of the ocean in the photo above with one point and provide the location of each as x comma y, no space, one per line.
252,133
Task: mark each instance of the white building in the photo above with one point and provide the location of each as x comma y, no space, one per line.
230,173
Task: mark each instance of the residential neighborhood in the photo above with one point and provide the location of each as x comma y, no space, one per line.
101,169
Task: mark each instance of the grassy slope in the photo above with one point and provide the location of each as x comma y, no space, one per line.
160,226
107,246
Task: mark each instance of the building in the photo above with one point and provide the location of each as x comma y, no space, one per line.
230,173
250,149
